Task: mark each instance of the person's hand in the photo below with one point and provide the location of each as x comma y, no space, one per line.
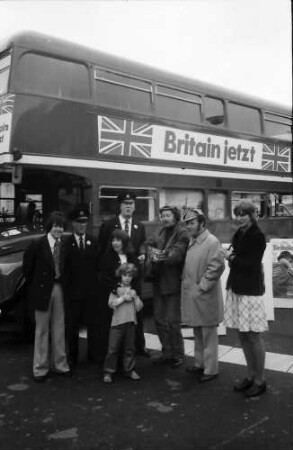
227,252
141,258
127,297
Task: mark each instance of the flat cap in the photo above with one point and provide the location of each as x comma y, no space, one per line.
190,215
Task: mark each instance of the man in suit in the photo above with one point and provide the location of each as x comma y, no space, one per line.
43,269
80,268
125,220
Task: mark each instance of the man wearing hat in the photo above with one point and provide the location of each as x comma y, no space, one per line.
201,294
80,281
126,221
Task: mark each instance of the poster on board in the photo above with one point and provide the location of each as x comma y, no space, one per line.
282,269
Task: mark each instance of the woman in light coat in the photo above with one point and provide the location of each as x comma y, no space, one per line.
201,299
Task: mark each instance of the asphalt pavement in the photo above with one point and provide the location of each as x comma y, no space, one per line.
167,409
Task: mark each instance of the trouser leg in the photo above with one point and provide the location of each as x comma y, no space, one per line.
59,358
161,322
129,347
210,350
72,331
115,338
139,333
174,322
41,345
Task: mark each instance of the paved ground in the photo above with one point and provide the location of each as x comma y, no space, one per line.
168,409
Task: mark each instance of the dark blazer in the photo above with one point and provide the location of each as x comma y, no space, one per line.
138,235
246,272
80,269
39,272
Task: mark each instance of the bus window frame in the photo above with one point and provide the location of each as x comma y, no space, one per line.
133,189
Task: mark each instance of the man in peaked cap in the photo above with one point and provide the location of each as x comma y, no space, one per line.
126,221
80,281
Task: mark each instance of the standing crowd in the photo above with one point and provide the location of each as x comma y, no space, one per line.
79,280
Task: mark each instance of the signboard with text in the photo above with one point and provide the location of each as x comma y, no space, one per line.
131,138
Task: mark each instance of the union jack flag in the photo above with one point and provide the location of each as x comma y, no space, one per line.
276,158
6,103
124,137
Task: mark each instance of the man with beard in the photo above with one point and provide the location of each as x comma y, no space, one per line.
168,249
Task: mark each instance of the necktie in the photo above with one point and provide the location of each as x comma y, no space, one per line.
81,246
56,258
126,226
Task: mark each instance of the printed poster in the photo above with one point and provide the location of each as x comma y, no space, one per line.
282,268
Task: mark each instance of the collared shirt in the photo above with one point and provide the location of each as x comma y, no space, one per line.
122,223
77,238
51,241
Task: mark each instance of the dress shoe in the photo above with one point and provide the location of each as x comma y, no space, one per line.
195,370
108,378
243,385
256,390
205,377
40,378
133,375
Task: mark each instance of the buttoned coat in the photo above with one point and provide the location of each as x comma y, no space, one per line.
80,271
246,272
201,293
39,272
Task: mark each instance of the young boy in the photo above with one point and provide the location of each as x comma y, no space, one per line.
125,303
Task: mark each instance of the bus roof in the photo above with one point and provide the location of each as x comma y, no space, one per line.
54,46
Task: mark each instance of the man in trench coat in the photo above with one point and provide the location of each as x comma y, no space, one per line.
201,296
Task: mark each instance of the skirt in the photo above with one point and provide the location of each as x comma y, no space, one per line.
245,312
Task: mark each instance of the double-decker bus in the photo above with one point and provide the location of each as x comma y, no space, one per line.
80,126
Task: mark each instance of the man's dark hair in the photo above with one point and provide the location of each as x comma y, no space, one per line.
55,218
175,211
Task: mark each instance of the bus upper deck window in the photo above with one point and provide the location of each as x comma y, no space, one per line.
243,118
279,127
53,77
178,104
214,111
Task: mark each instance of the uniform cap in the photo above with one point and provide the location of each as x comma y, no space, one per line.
80,214
128,195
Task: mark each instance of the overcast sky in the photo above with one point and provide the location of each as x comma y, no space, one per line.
244,45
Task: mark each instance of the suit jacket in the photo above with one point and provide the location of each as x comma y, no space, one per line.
39,272
80,269
137,238
246,272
